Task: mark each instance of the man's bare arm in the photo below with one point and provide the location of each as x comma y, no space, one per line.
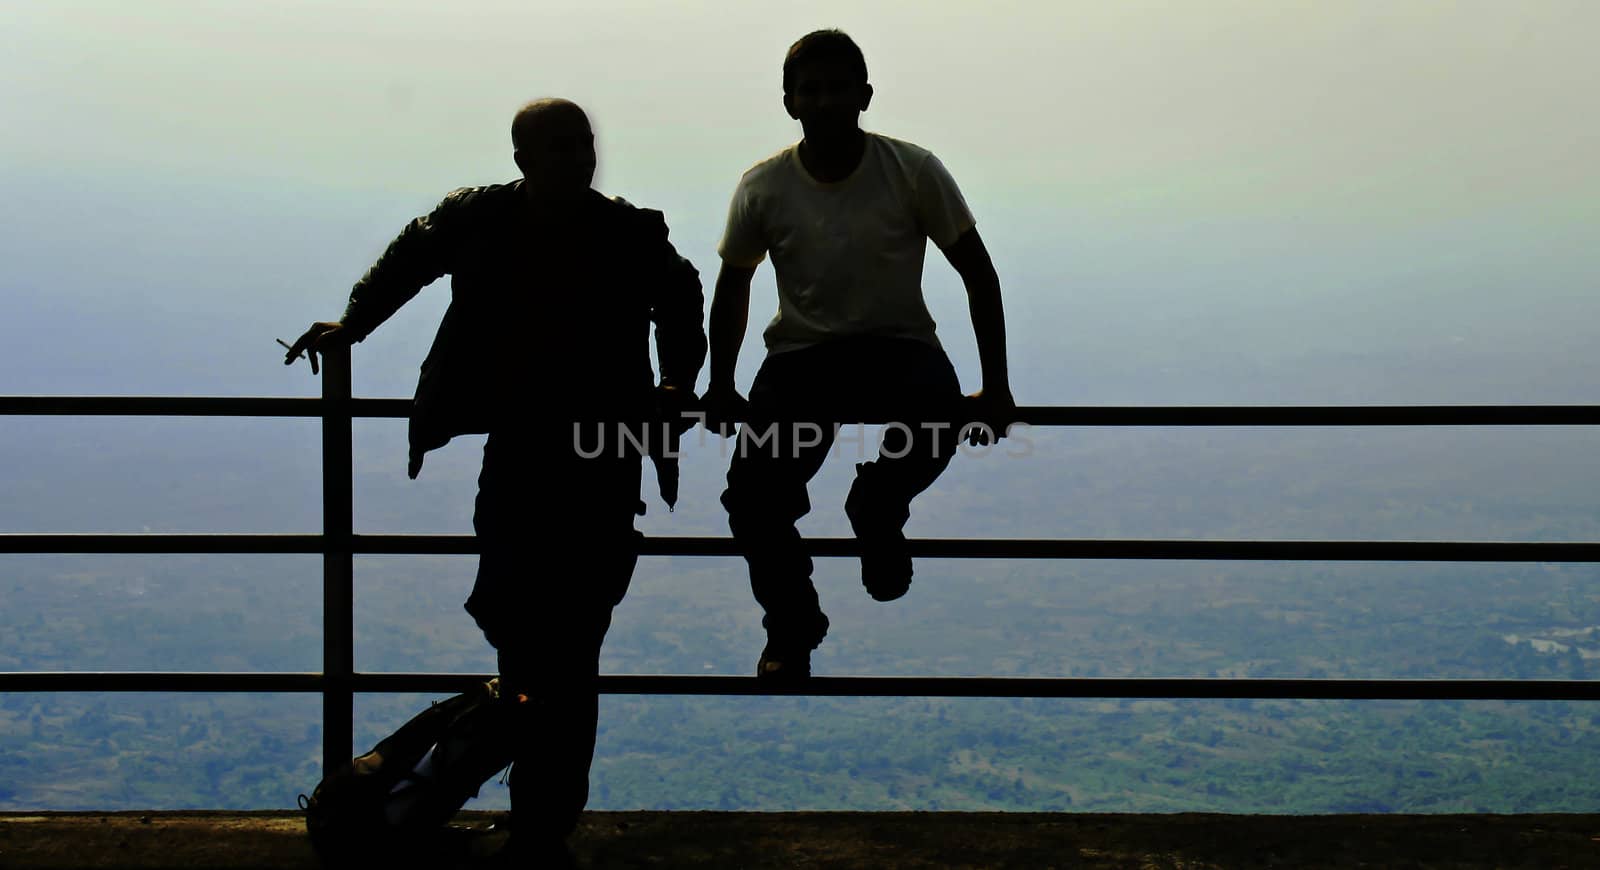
730,315
971,261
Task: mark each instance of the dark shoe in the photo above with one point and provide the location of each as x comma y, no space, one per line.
783,664
885,559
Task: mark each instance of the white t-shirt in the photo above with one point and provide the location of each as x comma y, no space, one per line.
848,254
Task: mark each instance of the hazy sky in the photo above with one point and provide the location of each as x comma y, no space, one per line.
1175,193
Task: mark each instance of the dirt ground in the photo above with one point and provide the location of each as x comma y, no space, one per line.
843,840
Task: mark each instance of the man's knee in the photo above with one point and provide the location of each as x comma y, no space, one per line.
878,494
518,602
554,647
614,561
754,506
564,676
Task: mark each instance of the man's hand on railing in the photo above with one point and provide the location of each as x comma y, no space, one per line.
996,410
322,336
724,407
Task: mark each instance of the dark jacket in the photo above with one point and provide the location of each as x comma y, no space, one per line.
547,324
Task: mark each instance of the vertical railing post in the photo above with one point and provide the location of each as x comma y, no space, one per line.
338,655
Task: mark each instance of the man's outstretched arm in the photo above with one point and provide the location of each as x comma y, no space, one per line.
971,261
416,258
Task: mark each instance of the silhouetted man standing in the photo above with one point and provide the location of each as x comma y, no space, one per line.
846,216
545,347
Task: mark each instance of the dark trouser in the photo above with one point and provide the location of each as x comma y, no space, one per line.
558,551
847,381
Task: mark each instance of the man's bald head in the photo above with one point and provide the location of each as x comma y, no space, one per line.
554,147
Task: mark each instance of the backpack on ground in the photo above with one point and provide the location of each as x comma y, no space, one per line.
414,780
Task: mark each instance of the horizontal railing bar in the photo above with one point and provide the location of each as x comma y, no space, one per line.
158,681
144,542
1035,415
944,548
1115,687
860,686
1318,415
194,406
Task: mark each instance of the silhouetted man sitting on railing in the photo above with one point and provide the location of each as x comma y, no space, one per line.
545,346
846,216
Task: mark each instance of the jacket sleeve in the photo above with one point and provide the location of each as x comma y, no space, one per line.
677,307
424,251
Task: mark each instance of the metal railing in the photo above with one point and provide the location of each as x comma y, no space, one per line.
338,681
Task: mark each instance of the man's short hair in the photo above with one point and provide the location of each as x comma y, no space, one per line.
828,44
529,117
